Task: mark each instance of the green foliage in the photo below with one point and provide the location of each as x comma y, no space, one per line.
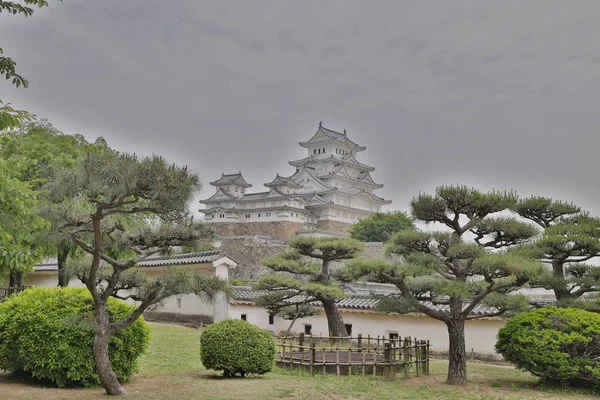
311,282
570,238
50,333
441,268
557,344
380,227
9,117
237,347
18,221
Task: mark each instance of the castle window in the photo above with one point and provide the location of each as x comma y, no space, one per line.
258,215
247,215
323,150
271,320
244,317
315,151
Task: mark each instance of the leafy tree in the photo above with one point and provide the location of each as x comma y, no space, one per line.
380,227
308,281
9,117
17,220
442,269
570,237
35,153
93,204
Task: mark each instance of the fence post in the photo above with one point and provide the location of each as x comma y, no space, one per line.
427,359
312,357
417,356
301,339
359,340
405,356
386,359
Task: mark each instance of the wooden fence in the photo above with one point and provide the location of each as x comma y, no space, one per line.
354,355
8,291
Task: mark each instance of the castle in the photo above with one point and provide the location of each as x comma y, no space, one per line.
329,191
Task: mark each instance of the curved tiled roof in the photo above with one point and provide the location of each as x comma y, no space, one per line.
361,296
201,257
228,179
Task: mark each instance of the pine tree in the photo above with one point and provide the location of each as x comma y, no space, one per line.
570,237
120,209
307,281
443,269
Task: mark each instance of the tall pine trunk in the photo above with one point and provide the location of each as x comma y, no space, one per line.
559,284
457,357
63,278
107,375
334,319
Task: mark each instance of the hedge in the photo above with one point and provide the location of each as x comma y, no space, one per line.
237,347
556,344
49,332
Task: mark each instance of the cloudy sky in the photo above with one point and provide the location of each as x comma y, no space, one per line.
496,94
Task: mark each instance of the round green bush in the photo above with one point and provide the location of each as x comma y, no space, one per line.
237,347
556,344
49,332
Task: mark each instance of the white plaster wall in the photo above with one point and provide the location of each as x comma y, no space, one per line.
480,335
189,304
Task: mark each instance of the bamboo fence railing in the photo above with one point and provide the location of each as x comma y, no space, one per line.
354,355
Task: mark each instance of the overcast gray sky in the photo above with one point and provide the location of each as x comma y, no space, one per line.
495,94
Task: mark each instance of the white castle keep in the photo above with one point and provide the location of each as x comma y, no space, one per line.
329,191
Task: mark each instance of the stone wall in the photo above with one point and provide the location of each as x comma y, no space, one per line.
283,230
250,253
334,226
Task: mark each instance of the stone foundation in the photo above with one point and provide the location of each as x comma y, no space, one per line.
282,230
334,226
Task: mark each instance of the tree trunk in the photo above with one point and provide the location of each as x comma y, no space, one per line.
63,278
16,279
559,284
108,378
334,319
457,357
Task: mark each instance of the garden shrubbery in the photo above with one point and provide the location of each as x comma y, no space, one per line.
556,344
49,332
237,347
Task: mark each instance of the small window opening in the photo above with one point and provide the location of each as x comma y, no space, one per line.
244,317
271,320
307,329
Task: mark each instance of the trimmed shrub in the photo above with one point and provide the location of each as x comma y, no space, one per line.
237,347
556,344
49,332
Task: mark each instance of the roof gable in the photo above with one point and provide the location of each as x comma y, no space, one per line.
221,194
324,135
231,179
305,178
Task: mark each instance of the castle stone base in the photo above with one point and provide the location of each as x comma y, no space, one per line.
282,230
334,226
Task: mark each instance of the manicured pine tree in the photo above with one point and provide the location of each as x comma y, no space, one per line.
570,237
307,277
120,210
442,268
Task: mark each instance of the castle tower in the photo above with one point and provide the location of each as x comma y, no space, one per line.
329,191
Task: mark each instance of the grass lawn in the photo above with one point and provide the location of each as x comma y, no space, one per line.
172,370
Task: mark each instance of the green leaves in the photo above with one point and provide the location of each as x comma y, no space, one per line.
237,348
451,202
49,333
544,211
380,227
556,344
327,249
293,263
